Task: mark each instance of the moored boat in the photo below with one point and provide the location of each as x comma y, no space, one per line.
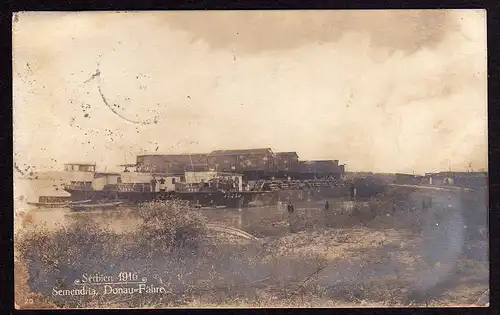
57,204
103,205
201,186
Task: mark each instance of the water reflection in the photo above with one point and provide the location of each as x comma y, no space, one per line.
260,221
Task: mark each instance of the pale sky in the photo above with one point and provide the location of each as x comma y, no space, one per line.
382,91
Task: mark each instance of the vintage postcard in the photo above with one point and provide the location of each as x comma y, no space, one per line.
206,159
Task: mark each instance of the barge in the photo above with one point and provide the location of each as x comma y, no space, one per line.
207,188
198,198
264,193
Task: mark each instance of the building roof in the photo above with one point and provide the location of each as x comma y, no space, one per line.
241,152
287,154
464,174
318,161
174,155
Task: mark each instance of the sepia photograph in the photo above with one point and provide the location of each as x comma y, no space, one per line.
250,159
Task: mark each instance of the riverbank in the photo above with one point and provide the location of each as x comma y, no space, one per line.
330,268
353,259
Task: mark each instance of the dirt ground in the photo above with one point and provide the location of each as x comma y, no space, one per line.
362,267
349,268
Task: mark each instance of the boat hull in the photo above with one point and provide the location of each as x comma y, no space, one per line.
211,199
81,207
58,204
359,188
227,199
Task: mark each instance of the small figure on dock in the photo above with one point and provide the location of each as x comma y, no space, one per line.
352,191
162,184
153,184
292,218
328,216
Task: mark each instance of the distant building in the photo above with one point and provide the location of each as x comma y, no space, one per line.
459,179
243,160
172,163
254,164
408,179
199,168
287,161
323,167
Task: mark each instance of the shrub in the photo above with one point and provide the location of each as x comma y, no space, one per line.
168,225
55,259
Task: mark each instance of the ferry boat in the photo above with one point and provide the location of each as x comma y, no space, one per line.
201,188
140,193
48,195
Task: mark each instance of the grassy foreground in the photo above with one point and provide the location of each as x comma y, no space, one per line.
372,256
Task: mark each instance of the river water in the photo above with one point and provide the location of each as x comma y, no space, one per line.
259,221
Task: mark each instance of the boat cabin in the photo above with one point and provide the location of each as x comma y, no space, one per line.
54,199
127,168
221,180
79,167
49,195
79,175
104,180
